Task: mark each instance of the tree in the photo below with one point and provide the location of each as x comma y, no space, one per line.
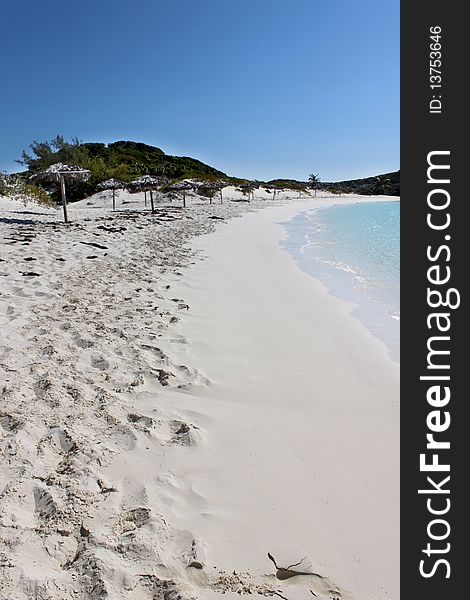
382,185
124,160
45,154
3,184
313,181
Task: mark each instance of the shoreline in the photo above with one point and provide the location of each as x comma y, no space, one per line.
168,408
323,348
343,279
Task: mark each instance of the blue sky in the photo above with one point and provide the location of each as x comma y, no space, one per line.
256,88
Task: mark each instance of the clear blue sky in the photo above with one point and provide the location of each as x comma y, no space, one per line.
256,88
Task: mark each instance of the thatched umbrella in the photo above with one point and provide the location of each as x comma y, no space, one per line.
205,188
181,186
147,183
273,188
219,185
248,189
112,184
58,172
208,185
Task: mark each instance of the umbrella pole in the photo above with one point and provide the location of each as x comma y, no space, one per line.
145,198
151,201
184,198
221,197
64,200
114,199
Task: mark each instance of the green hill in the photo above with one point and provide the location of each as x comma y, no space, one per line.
127,160
123,160
387,184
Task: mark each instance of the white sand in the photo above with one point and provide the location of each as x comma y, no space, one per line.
277,430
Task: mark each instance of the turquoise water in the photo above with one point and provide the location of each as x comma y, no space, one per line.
355,250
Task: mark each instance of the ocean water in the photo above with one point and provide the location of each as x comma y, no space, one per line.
354,249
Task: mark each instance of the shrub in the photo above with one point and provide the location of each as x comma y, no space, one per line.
37,194
3,185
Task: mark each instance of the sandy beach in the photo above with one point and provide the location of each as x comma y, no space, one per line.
178,399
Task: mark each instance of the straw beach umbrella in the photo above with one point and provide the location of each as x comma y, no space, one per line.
248,189
112,184
205,185
181,186
272,188
147,183
204,188
59,172
219,186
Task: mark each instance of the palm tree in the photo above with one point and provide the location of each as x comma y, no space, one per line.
313,181
382,185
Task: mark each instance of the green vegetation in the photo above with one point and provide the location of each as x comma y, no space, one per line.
388,184
120,160
313,181
291,184
126,160
38,194
18,187
383,184
248,189
207,192
4,189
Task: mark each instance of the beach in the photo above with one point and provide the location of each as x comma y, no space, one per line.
180,400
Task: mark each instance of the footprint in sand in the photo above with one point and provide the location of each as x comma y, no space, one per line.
48,350
44,503
154,352
10,423
190,377
62,547
44,391
99,362
83,343
19,291
135,518
182,434
122,438
60,440
140,420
